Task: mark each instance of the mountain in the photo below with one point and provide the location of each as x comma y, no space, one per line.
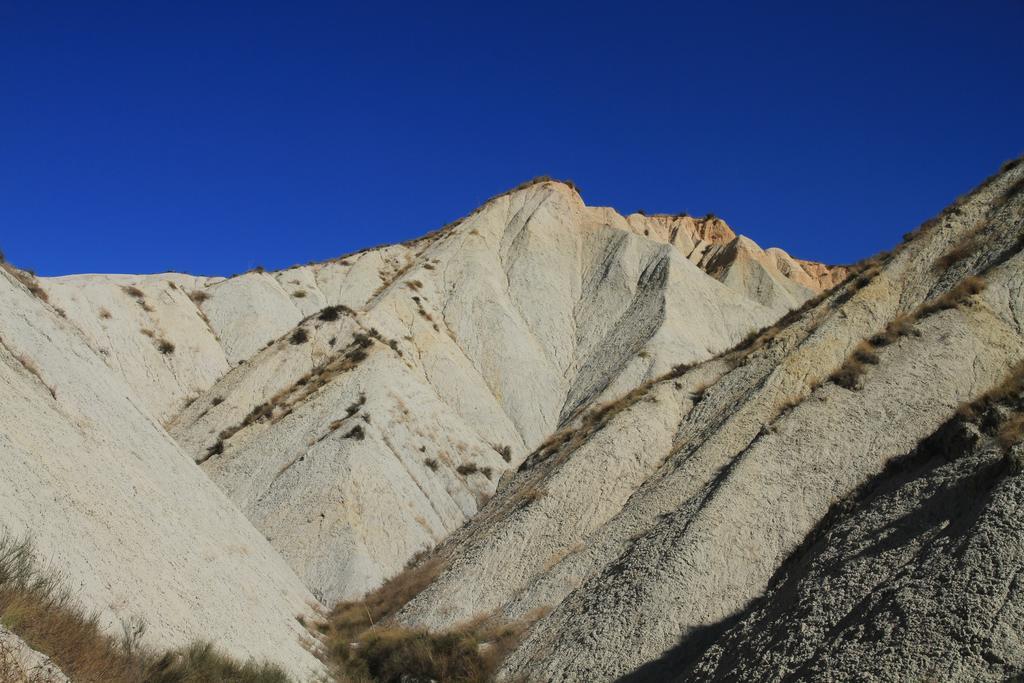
359,410
649,447
807,502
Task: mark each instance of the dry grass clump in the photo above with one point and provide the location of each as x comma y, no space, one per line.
1011,386
1011,432
165,347
105,314
356,433
198,296
849,373
504,451
366,646
299,336
299,294
33,370
957,253
26,277
900,326
139,296
332,313
864,352
528,495
35,606
432,463
467,468
960,294
133,292
350,619
470,653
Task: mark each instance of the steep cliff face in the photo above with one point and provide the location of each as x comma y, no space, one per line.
656,519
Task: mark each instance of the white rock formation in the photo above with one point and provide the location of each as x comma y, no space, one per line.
362,409
649,526
117,507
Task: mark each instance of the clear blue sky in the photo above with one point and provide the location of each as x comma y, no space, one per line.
211,137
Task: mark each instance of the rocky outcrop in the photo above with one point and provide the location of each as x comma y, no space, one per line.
658,517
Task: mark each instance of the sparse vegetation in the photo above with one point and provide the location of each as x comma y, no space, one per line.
332,313
364,643
356,433
467,469
35,605
26,277
900,326
198,296
299,336
432,464
165,347
216,401
958,295
105,314
849,373
957,253
505,452
299,294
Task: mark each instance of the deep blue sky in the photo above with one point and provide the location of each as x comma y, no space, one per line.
210,137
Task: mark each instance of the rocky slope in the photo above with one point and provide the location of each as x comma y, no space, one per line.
647,526
356,436
116,506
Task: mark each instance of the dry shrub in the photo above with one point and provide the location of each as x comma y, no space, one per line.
331,313
396,655
960,294
958,253
1011,387
349,619
504,451
33,370
356,433
467,468
165,347
900,326
366,645
528,495
865,353
105,314
27,278
432,464
198,296
35,605
299,294
1011,432
133,292
849,373
299,336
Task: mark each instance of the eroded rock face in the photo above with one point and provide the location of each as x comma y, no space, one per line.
486,337
360,410
914,578
677,510
112,502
